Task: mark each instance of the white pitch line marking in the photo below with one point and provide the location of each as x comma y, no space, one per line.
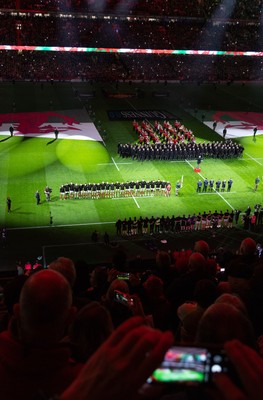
219,194
115,163
254,159
136,202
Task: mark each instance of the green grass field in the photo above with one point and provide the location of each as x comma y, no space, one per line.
31,163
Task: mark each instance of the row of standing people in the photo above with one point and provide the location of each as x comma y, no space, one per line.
211,184
117,189
155,225
180,151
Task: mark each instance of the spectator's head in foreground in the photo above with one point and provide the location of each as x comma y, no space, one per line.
90,328
44,309
66,267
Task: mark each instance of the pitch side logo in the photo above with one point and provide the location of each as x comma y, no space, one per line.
127,115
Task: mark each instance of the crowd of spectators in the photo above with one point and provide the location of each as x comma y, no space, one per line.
54,30
192,8
55,320
35,66
145,34
101,67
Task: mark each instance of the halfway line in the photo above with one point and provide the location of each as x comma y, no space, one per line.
115,164
252,158
136,202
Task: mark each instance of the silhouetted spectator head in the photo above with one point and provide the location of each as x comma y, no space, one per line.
117,284
90,328
190,313
233,300
12,292
256,281
202,247
44,309
99,277
205,292
197,262
248,247
222,322
238,274
95,236
239,269
66,267
153,286
163,260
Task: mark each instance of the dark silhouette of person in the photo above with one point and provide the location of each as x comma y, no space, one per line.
254,133
11,130
8,203
37,196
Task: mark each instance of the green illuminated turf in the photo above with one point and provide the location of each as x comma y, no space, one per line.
30,164
167,375
27,172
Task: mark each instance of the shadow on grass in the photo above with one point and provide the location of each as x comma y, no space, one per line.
5,139
51,141
25,138
54,198
22,212
15,209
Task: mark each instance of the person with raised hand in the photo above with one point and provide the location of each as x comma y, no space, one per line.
122,364
249,367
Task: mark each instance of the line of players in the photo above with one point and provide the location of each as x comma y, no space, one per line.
180,151
117,189
155,225
211,185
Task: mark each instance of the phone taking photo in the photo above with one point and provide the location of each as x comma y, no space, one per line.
125,276
123,298
190,365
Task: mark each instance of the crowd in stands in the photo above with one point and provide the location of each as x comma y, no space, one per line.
123,33
133,34
114,189
35,66
74,335
101,67
192,8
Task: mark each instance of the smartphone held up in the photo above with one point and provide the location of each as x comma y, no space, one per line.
190,366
